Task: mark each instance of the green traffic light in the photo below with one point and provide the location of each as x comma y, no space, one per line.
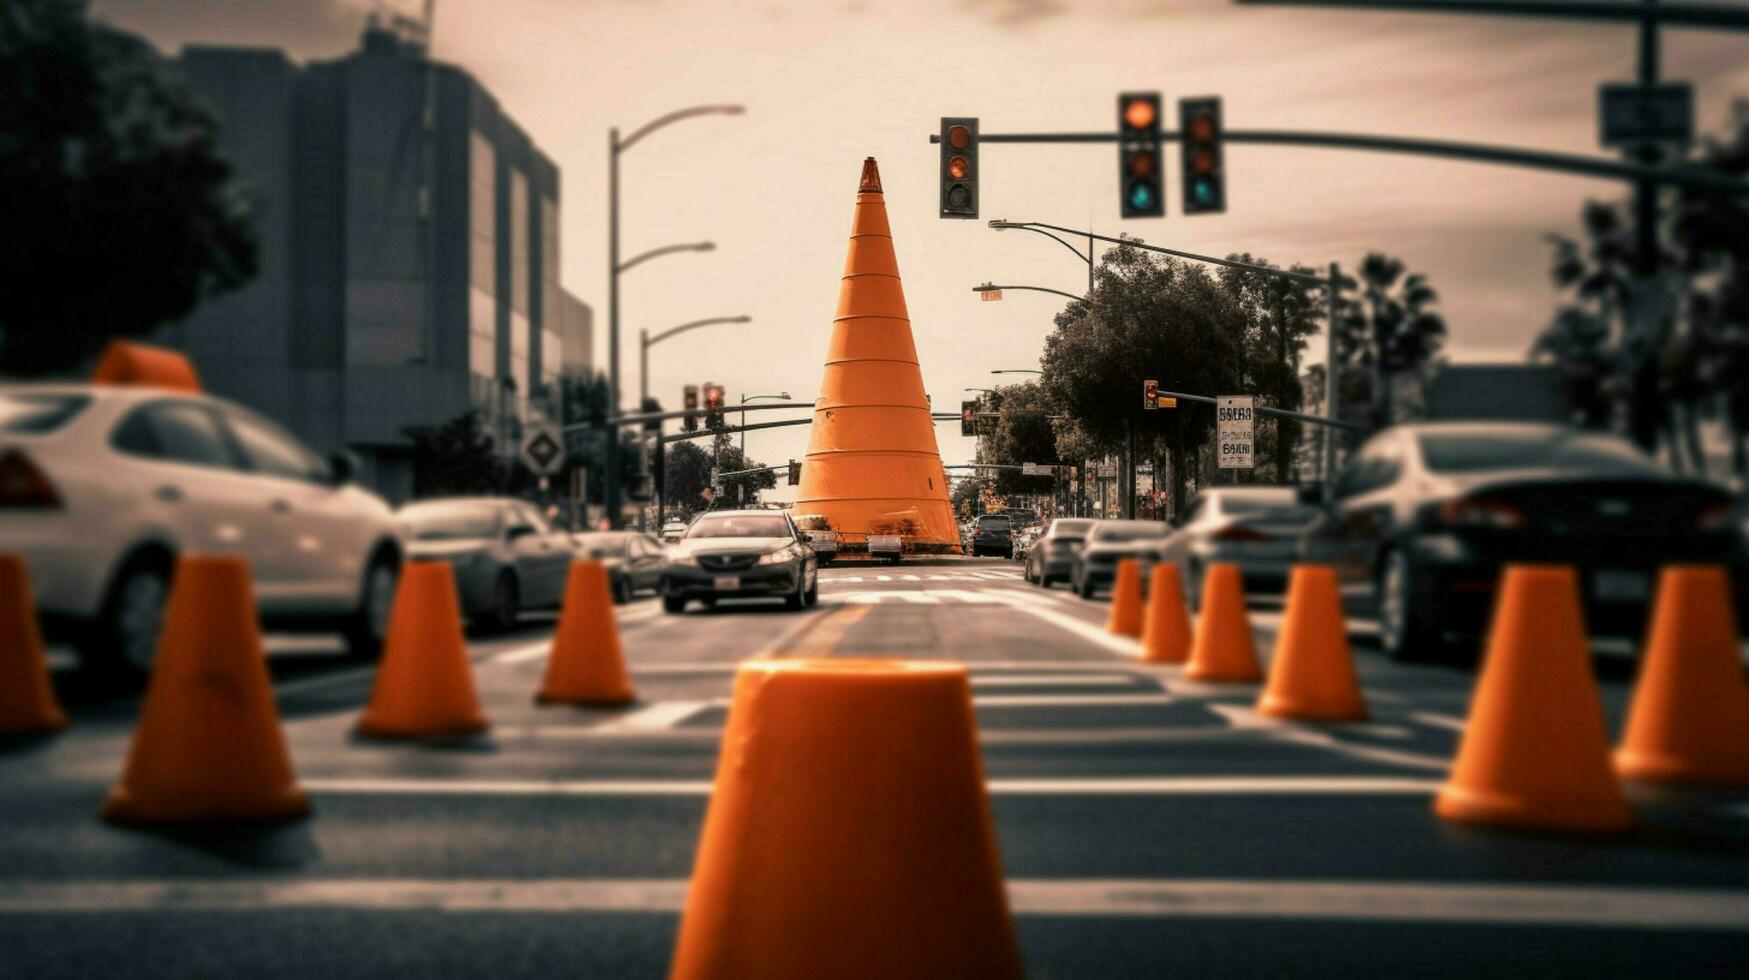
1203,190
1141,195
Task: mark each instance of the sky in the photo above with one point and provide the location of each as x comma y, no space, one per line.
829,83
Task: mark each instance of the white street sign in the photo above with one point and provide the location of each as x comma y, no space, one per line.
1235,429
543,449
1036,469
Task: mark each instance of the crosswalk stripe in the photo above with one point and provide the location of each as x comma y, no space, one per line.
1091,786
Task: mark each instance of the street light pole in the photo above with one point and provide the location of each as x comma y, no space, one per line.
645,342
745,398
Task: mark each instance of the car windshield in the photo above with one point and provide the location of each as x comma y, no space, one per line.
602,545
1477,451
1276,502
1129,531
992,523
38,413
1073,530
740,526
450,521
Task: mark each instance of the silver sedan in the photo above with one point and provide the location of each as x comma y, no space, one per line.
506,557
1256,528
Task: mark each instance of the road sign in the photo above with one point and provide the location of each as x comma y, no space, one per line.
1235,428
990,295
1150,395
1166,401
543,449
1036,469
1629,114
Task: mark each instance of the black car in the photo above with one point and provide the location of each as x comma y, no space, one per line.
735,554
994,535
1428,514
634,561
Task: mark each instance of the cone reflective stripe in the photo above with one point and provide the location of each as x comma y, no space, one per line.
872,465
27,699
586,665
127,363
1125,618
1534,753
1689,722
1223,648
425,684
1311,676
1165,621
848,833
208,745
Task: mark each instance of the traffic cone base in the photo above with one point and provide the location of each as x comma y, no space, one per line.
208,746
27,699
1165,621
1126,600
586,666
425,684
848,834
1311,676
1223,648
1534,753
1689,720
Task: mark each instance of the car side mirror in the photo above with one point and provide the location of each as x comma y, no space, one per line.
518,531
343,467
1309,494
807,536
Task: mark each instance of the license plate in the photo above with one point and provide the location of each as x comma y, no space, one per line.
727,583
1620,586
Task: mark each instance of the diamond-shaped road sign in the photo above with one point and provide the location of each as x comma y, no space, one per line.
543,449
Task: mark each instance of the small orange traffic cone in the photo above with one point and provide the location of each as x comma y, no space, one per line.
1534,753
1689,723
1223,649
1166,626
586,665
1311,676
27,699
425,685
1126,600
208,745
848,834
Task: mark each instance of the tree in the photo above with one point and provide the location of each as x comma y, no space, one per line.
688,472
459,458
1403,332
1280,314
119,214
1024,434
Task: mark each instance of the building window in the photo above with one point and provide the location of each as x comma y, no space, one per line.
482,269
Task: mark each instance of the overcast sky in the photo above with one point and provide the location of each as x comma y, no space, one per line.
828,83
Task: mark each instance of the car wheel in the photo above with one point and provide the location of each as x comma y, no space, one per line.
369,625
812,596
1405,634
673,604
506,602
1085,590
622,591
1192,586
124,639
795,599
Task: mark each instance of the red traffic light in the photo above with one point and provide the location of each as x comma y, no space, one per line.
1140,113
1140,163
959,137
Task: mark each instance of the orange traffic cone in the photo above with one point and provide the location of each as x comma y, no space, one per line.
849,834
425,685
27,700
1535,753
873,466
586,665
127,363
208,745
1311,676
1223,649
1166,630
1126,600
1689,722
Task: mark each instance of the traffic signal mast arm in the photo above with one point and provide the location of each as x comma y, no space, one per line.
988,287
643,417
1301,416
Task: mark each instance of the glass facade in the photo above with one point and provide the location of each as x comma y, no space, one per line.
520,280
482,271
552,359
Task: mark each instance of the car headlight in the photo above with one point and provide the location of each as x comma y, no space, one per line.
787,553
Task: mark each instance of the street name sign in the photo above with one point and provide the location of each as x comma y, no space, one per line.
1235,430
1036,469
1629,114
543,449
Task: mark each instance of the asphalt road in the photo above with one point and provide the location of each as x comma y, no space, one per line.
1148,824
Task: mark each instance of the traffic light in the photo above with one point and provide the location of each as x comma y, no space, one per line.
690,423
795,473
1205,183
1141,184
1151,395
959,167
968,418
713,405
651,406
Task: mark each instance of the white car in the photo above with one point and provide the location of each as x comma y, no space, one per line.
101,487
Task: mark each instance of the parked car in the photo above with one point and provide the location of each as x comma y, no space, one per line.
1257,528
821,537
102,487
1427,515
1109,542
634,561
993,535
506,557
1051,555
1024,538
673,531
731,554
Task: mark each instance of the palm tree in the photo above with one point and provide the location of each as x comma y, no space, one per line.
1403,329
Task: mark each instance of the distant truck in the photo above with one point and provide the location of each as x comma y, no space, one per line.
821,537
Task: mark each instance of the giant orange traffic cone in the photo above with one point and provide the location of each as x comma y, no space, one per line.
425,685
1166,623
1311,676
873,466
586,665
125,362
208,745
1534,753
1125,618
1689,722
848,834
27,700
1223,648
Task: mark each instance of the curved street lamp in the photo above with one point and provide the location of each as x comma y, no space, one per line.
645,342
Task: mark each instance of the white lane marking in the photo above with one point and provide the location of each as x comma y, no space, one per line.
975,666
1243,718
1069,700
910,578
883,578
1123,646
1438,902
1432,720
1056,680
532,651
658,717
1092,786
